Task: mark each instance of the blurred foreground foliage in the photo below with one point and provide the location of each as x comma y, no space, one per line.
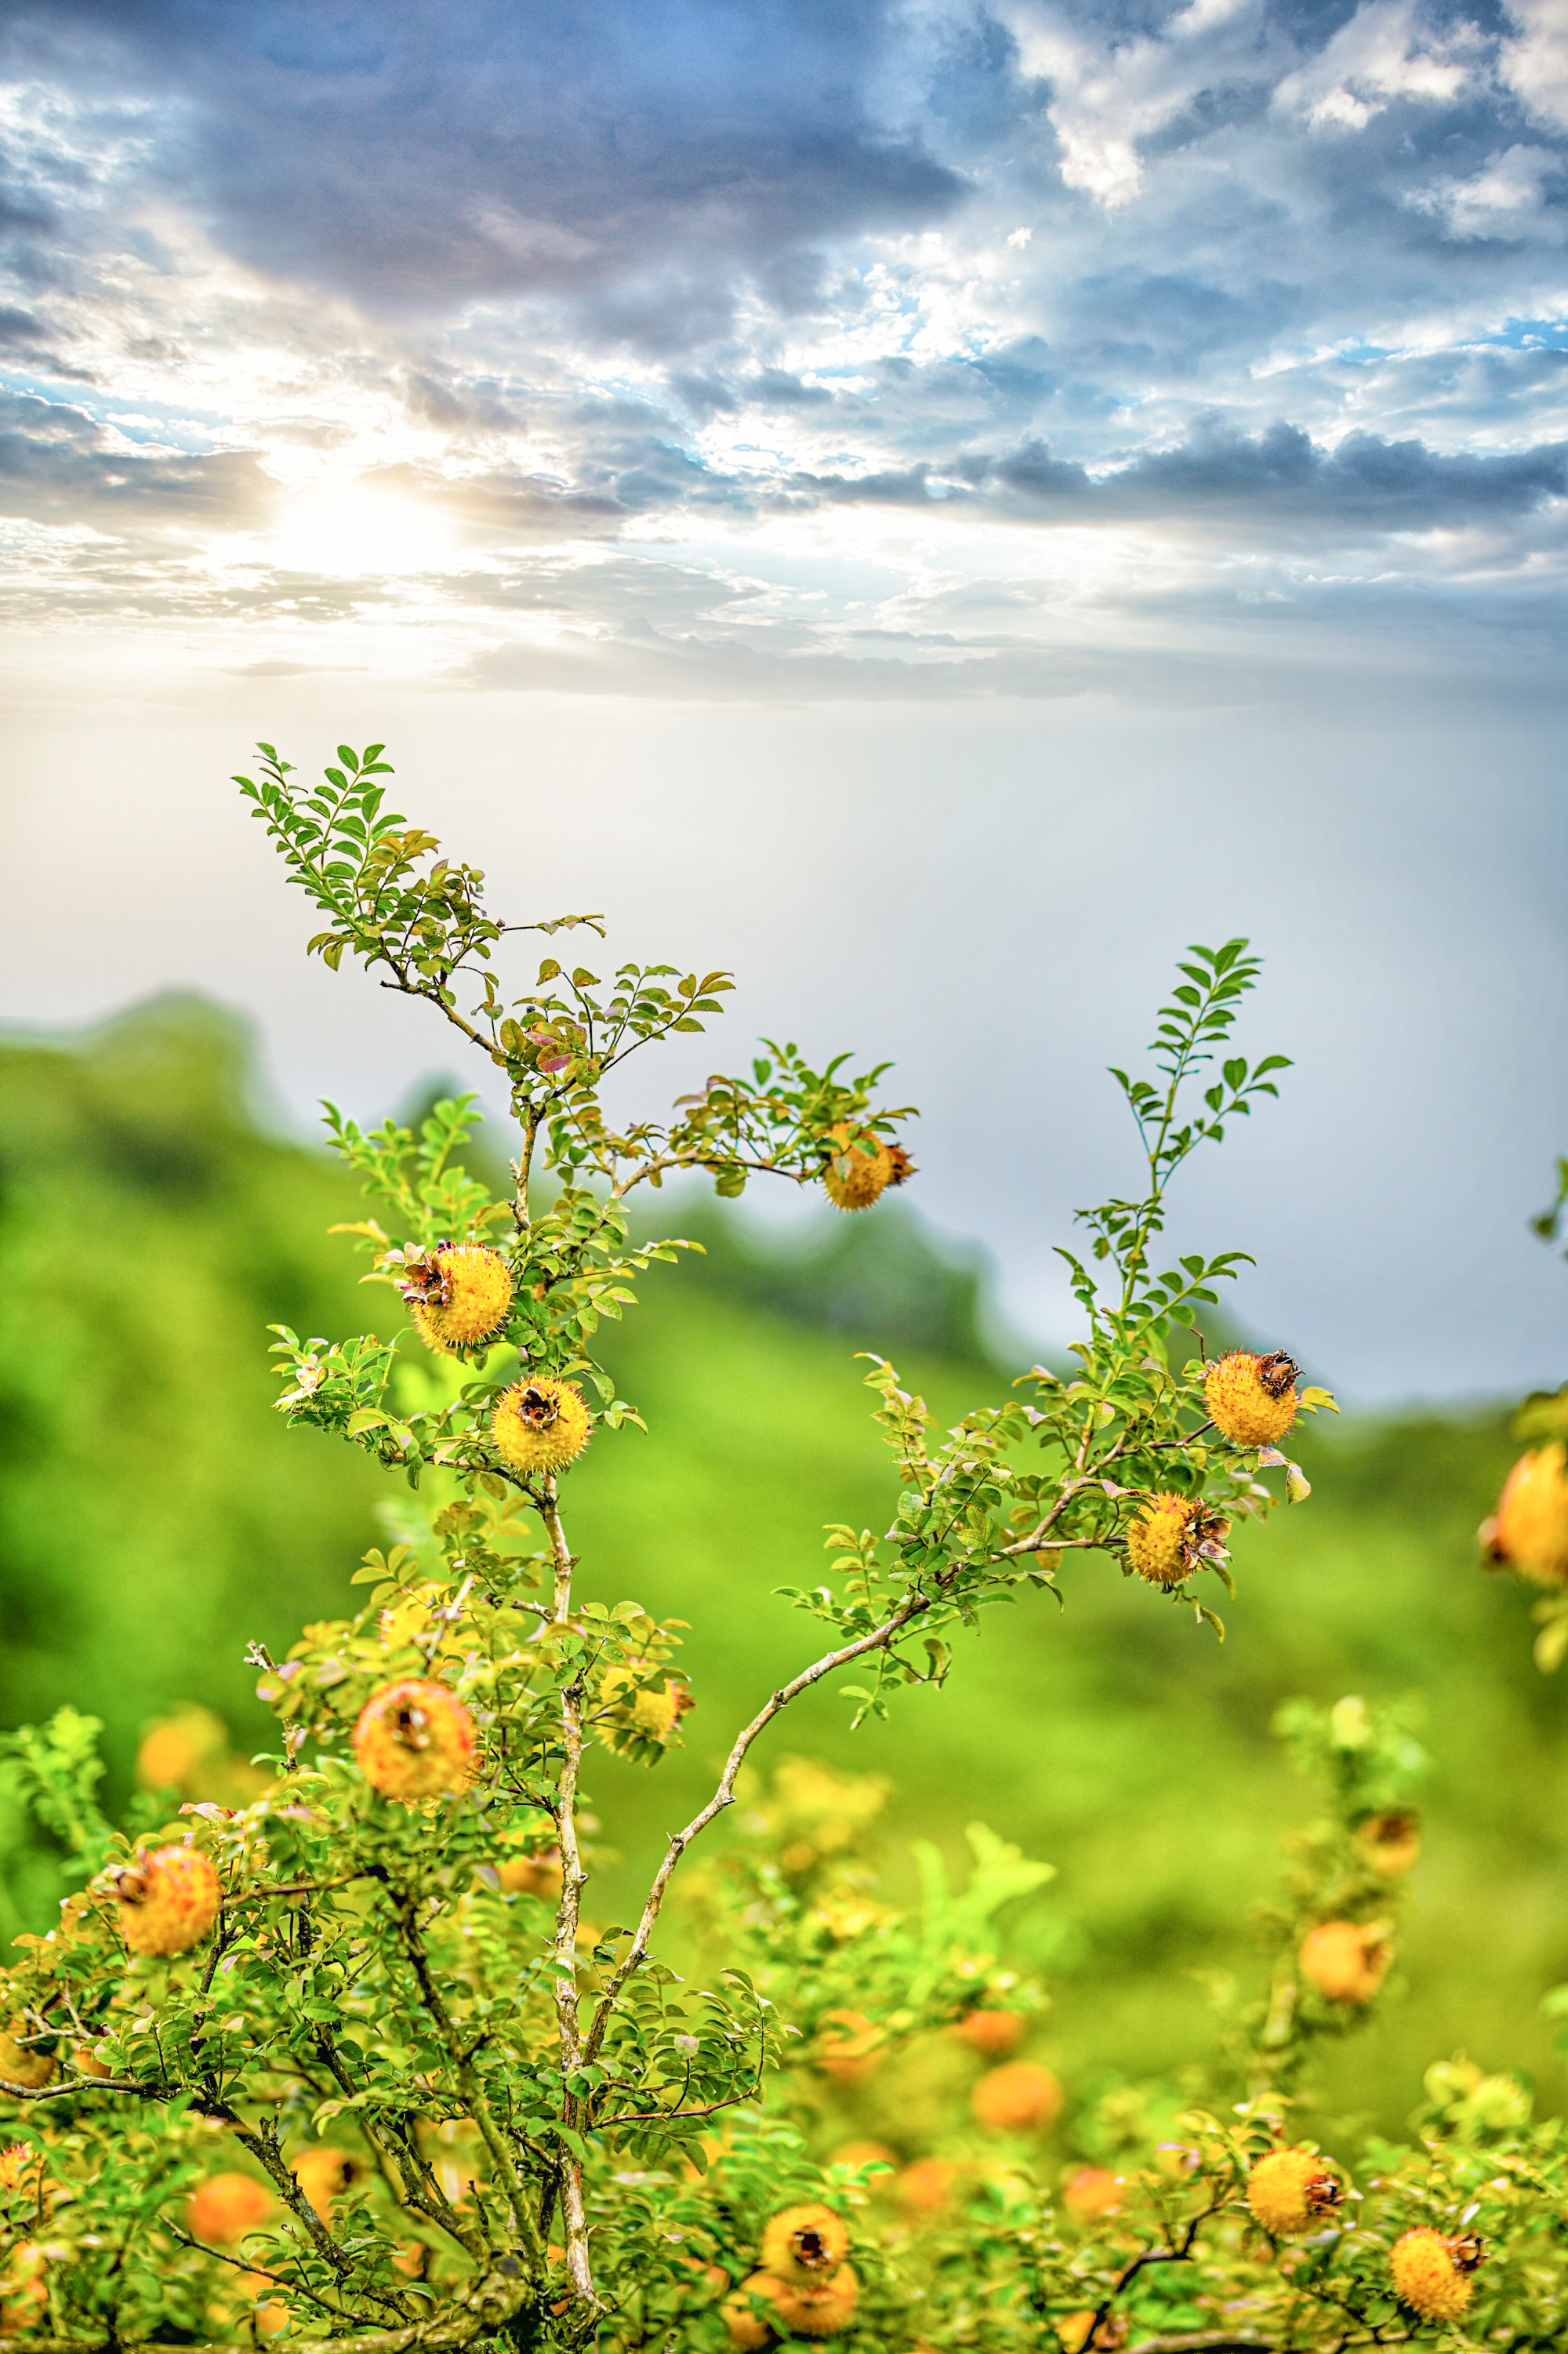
154,1516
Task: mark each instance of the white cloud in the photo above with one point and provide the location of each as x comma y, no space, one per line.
1379,55
1535,62
1505,199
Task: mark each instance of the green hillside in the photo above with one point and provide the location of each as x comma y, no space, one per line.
154,1516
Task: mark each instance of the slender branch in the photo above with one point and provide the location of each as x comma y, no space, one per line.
568,1914
636,1954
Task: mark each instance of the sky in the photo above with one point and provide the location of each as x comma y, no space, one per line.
932,506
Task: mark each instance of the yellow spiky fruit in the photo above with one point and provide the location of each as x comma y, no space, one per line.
166,1902
654,1713
459,1296
1020,2097
1346,1961
540,1425
1170,1536
992,2033
1290,2190
748,2330
1431,2275
414,1739
1390,1843
819,2309
18,2065
1093,2191
1252,1400
323,2174
861,1166
1528,1530
225,2206
805,2243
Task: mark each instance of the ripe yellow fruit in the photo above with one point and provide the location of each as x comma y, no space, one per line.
1077,2332
992,2033
175,1750
1093,2191
1252,1400
750,2330
1290,2190
1528,1531
532,1875
851,2050
414,1740
1431,2275
820,2308
803,2244
460,1296
653,1713
166,1902
1022,2097
1346,1961
18,2067
323,2175
540,1425
926,2185
1390,1843
86,2062
862,1167
225,2206
1171,1536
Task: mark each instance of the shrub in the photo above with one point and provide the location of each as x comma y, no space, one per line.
348,2060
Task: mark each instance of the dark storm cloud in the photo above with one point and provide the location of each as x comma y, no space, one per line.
630,156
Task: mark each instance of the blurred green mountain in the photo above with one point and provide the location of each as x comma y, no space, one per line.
154,1516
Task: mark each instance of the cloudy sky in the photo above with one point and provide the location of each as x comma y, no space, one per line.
952,498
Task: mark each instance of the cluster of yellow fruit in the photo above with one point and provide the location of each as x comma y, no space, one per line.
460,1296
1252,1401
1289,2190
803,2287
1528,1530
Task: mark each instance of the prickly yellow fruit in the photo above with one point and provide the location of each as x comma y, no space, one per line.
804,2244
225,2206
175,1750
1431,2275
1346,1961
323,2175
1390,1843
861,1166
850,2050
1290,2190
1252,1400
926,2185
1528,1531
460,1296
1171,1536
992,2033
540,1425
1093,2191
166,1902
748,2330
819,2309
1019,2098
532,1875
19,2066
414,1740
653,1713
